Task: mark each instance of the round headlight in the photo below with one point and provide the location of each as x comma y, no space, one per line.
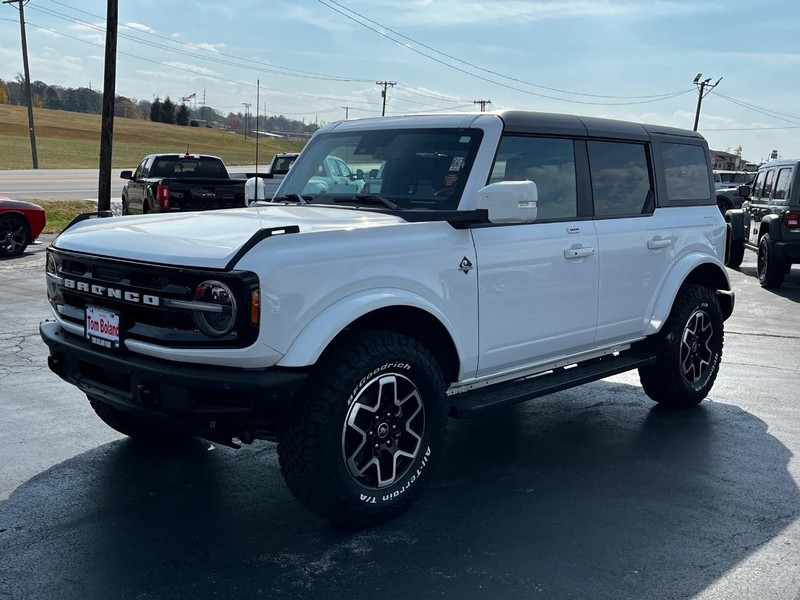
50,264
218,318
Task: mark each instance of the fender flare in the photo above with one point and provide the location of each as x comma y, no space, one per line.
317,335
672,283
736,219
773,227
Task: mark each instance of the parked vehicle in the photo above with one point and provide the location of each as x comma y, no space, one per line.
262,186
180,182
725,179
506,256
20,224
768,222
729,197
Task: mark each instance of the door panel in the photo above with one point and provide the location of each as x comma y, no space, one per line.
537,292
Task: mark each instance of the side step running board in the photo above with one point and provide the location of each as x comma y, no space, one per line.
474,402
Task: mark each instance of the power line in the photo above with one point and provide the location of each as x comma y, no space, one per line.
345,13
291,72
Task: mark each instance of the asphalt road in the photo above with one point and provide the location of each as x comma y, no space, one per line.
589,493
64,184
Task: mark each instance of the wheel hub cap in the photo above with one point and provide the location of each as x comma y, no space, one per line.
383,431
696,353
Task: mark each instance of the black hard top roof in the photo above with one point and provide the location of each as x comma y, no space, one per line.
518,121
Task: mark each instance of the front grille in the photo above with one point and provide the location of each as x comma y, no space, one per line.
140,293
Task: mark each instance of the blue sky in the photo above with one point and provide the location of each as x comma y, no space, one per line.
625,59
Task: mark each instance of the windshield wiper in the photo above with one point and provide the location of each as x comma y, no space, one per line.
291,198
369,199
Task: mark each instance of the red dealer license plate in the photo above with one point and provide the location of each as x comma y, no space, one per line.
102,327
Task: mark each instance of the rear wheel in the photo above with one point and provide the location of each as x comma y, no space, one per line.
723,205
689,350
14,237
363,446
771,269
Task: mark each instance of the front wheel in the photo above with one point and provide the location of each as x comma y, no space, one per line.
13,235
363,446
771,269
688,349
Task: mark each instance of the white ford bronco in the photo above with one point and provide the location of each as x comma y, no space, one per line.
467,262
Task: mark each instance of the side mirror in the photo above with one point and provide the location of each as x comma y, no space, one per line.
126,175
744,191
359,174
510,201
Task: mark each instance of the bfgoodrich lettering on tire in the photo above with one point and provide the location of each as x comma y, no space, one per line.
689,349
363,446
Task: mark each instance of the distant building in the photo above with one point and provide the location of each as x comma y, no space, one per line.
726,161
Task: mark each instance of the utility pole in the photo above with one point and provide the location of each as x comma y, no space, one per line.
346,112
385,84
702,93
109,91
31,130
246,117
203,107
483,104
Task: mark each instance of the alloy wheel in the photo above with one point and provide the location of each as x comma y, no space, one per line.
696,352
383,431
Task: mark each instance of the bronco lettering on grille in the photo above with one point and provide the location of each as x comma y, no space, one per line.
109,292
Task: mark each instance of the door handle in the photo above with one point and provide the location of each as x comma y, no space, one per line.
658,243
571,253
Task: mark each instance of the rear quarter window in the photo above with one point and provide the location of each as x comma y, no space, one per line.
686,172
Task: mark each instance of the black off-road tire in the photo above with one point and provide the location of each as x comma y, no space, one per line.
356,456
770,268
135,427
125,209
736,255
14,235
689,350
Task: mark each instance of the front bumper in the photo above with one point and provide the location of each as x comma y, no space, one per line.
178,391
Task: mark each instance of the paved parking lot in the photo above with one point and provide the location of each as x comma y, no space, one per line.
589,493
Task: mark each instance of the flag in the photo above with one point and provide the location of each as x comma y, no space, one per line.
189,97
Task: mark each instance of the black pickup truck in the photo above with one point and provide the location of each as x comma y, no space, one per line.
180,182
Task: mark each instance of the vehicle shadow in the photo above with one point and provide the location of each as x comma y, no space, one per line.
584,494
790,289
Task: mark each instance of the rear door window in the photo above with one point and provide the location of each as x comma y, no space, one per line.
780,194
621,179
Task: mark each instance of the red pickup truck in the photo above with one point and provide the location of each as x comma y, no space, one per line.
180,182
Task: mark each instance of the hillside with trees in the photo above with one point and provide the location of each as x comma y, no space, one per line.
89,101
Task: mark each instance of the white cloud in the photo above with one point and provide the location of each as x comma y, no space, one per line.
140,27
209,47
189,67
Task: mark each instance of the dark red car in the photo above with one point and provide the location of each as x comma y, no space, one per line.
20,224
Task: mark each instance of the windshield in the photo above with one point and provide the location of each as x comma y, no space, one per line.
414,169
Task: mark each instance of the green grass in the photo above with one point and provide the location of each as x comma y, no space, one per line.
61,212
67,140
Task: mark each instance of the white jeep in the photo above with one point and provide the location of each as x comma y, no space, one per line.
485,259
